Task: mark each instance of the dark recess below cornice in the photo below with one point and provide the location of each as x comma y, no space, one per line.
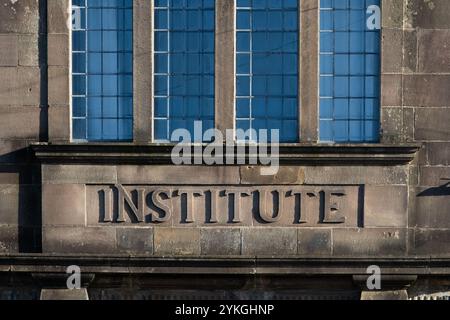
289,154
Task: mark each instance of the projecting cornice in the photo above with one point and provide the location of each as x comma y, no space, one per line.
289,154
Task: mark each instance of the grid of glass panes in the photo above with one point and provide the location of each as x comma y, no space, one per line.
184,66
349,72
267,66
102,70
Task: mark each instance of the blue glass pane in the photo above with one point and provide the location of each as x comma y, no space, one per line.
102,67
349,72
267,67
184,66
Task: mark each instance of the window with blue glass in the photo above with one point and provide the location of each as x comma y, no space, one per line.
184,66
267,44
349,72
102,70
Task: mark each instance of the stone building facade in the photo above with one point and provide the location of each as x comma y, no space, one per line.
140,227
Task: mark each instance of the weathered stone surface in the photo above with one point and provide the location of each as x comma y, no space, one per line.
25,118
434,176
77,240
392,42
9,56
177,241
432,242
426,90
375,175
386,206
314,242
285,175
410,51
391,85
79,174
438,153
20,86
19,204
63,204
59,123
269,242
135,240
19,16
58,50
28,50
9,239
369,242
434,51
220,242
392,124
392,14
427,14
433,206
58,86
58,16
432,124
184,175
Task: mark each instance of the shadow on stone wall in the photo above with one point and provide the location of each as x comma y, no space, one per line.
441,191
21,202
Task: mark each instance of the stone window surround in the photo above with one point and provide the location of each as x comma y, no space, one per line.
59,34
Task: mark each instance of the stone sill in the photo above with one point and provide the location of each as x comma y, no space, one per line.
290,154
224,265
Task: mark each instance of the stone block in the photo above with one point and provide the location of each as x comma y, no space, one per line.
179,175
432,242
409,51
427,14
19,122
177,241
433,176
63,204
378,242
58,50
59,123
269,241
29,50
286,175
433,206
314,242
220,242
392,52
79,240
9,239
426,90
432,124
386,206
58,86
135,240
392,14
20,16
392,124
58,13
28,86
9,56
79,174
438,153
19,205
343,175
391,86
434,51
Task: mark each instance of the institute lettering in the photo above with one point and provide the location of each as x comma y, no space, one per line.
276,205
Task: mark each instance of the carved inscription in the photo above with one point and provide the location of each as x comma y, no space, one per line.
163,205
